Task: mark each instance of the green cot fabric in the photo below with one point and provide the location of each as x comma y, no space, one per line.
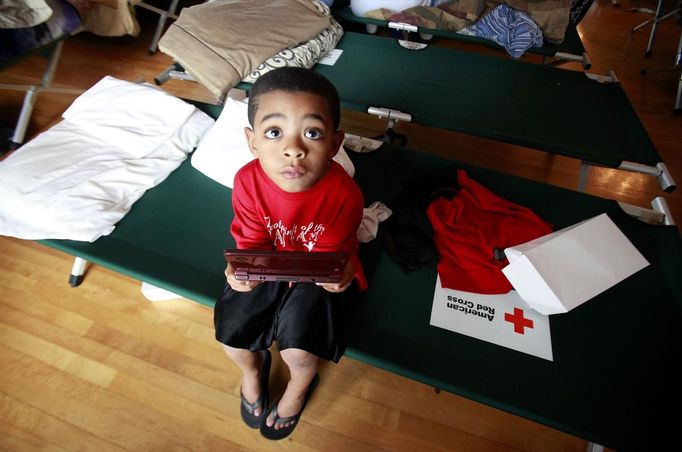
173,237
571,44
615,368
616,357
537,106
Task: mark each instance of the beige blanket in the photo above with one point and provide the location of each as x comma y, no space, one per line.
552,16
221,42
110,18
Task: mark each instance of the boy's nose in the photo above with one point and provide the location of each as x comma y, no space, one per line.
293,148
294,154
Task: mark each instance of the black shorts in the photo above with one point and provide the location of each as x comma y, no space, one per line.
302,316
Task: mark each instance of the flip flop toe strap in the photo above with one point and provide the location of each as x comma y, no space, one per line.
251,407
283,420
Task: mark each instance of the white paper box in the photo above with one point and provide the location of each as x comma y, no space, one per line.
560,271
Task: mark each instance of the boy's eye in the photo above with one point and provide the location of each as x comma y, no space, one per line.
272,133
313,134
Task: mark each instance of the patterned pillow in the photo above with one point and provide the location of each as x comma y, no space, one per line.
306,54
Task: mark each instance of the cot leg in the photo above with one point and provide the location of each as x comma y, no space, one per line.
77,271
173,72
165,75
392,137
584,174
24,117
30,97
678,98
392,116
660,172
678,65
396,138
660,205
163,17
594,447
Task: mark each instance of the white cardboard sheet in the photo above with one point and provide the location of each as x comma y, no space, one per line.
560,271
504,320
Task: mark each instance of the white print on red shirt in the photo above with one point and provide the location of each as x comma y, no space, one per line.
307,235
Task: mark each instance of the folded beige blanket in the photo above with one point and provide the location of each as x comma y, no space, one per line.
221,42
110,18
552,16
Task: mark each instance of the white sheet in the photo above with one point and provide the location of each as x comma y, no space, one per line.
137,117
76,182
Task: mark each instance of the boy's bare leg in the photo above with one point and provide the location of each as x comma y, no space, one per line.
302,367
251,366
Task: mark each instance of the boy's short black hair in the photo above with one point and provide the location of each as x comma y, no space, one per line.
295,79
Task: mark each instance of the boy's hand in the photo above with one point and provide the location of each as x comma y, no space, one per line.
346,279
238,284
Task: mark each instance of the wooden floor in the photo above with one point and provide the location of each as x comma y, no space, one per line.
100,368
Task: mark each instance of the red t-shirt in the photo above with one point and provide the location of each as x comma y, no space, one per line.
468,228
324,217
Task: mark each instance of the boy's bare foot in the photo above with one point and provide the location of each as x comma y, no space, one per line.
289,405
279,424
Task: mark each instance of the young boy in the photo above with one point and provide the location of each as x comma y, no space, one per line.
292,197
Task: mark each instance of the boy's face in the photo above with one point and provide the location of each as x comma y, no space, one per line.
294,139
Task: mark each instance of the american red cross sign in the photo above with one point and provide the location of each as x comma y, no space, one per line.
519,321
501,319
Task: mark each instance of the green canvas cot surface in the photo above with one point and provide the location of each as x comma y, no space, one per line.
537,106
571,44
616,357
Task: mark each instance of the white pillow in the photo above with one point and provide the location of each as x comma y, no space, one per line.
361,7
122,113
224,150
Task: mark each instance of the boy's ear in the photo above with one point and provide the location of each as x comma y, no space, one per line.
250,140
339,135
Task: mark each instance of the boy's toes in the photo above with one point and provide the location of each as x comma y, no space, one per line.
284,425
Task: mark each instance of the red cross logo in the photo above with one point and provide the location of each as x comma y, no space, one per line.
519,321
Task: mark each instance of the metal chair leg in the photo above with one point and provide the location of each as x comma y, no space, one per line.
656,19
677,65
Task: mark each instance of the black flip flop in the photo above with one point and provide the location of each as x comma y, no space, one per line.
247,409
270,432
